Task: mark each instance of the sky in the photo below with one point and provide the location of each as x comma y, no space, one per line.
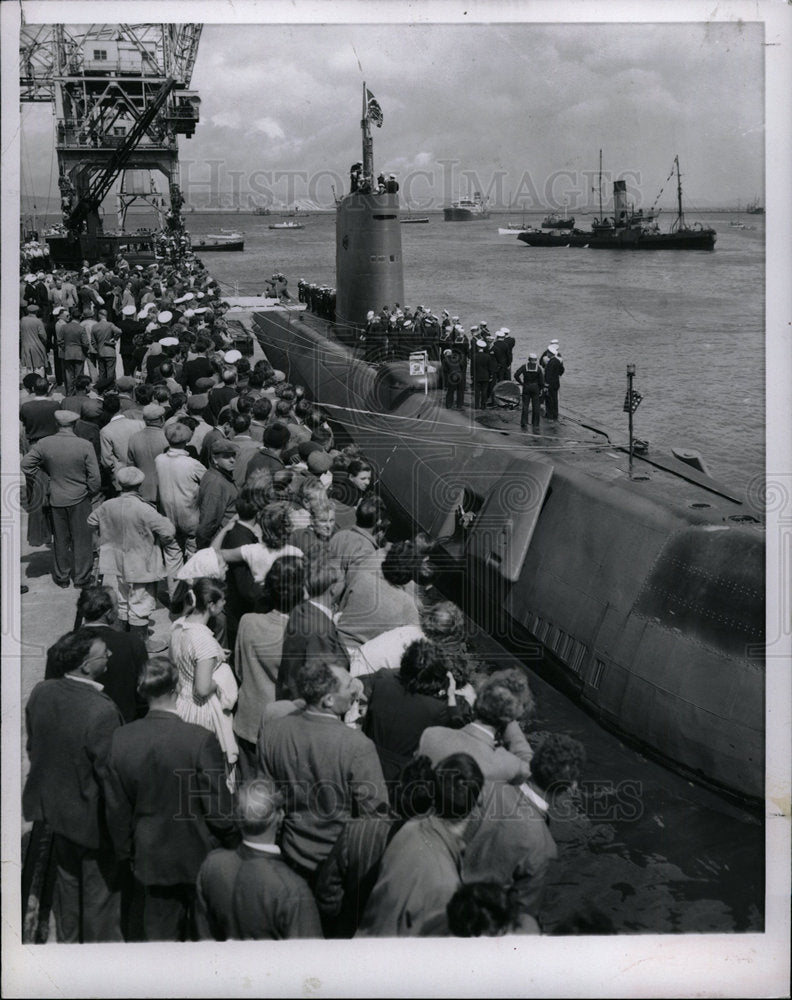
518,111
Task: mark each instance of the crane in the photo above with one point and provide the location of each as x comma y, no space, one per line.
121,96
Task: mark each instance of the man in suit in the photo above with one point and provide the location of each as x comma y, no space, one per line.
97,609
251,893
104,336
116,435
311,633
274,440
168,804
70,722
70,462
73,346
327,771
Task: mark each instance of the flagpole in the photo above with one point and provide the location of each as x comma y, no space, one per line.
368,146
630,377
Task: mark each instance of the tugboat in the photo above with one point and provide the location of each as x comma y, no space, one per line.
629,230
467,209
645,589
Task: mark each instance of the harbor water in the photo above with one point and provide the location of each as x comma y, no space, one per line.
692,322
661,854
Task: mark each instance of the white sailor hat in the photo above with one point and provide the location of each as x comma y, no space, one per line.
532,356
481,343
128,310
165,316
500,333
553,349
505,330
231,357
169,341
474,329
189,313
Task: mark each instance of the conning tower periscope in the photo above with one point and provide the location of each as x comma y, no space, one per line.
368,237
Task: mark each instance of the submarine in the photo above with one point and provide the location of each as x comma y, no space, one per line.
633,583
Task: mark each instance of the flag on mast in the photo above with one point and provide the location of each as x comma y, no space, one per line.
373,110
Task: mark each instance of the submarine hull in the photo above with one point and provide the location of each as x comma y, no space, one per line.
652,609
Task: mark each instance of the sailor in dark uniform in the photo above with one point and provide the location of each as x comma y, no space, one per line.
554,369
531,377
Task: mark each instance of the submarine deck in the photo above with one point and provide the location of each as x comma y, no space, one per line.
597,451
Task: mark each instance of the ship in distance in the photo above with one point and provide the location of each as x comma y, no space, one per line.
467,209
629,229
639,591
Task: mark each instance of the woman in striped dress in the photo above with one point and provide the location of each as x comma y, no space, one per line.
195,652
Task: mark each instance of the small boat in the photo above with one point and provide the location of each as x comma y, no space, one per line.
261,210
557,221
225,234
410,219
467,209
218,243
287,225
754,208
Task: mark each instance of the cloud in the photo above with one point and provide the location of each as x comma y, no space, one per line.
270,128
226,119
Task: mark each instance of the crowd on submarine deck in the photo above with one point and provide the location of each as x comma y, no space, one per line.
315,747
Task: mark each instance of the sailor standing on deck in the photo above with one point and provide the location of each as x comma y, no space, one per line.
554,369
531,377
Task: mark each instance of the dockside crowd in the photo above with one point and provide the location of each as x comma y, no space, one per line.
315,748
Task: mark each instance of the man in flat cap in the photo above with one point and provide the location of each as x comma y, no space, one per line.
70,462
145,445
179,475
217,492
134,543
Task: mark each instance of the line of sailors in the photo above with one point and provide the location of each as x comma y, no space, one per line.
320,299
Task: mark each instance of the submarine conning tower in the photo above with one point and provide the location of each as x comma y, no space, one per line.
369,271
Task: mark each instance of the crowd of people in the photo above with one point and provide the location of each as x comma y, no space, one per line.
314,748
